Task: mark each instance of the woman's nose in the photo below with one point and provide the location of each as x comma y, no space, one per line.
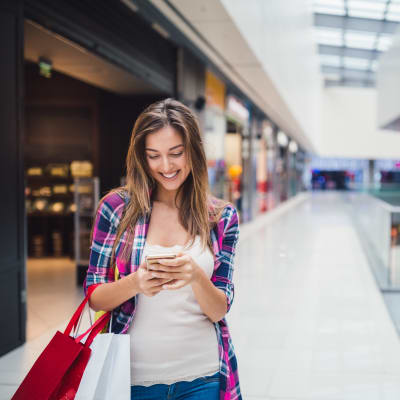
165,164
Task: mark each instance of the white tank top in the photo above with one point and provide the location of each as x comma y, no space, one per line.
171,338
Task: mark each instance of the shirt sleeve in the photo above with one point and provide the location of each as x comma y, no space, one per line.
223,275
100,269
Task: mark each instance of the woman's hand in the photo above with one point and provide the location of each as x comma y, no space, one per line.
146,283
182,270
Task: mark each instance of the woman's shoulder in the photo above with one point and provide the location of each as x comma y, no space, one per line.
221,210
115,200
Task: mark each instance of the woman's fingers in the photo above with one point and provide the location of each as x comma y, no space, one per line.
174,285
155,282
174,262
164,268
170,275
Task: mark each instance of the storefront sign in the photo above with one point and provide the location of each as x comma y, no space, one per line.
215,91
237,109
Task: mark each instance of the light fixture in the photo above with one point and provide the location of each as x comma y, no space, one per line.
282,139
131,5
293,146
45,67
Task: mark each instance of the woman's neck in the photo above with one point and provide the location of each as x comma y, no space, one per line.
166,197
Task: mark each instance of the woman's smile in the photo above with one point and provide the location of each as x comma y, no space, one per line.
170,176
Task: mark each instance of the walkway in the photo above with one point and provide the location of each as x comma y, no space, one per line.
308,321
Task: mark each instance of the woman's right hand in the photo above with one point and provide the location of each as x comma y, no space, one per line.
146,283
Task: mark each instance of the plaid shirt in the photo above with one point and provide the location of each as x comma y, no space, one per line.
224,238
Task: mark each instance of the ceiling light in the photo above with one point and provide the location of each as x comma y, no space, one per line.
394,8
282,139
393,16
330,3
378,6
360,40
356,63
372,14
330,60
329,10
293,146
328,36
131,5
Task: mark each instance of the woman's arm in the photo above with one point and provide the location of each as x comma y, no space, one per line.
212,300
109,294
223,276
214,296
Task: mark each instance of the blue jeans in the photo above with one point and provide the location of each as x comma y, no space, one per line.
204,388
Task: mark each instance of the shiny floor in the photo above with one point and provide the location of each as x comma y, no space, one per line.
308,321
51,292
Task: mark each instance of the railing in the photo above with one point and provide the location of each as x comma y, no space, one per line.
379,226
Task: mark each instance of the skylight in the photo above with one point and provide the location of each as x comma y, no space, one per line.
351,34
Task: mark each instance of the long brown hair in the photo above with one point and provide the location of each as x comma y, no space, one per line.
199,211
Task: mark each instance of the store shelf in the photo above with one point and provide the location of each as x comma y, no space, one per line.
87,214
49,214
86,204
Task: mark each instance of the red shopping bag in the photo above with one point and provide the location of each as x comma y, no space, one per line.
58,371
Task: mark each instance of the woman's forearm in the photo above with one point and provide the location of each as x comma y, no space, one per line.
212,300
108,296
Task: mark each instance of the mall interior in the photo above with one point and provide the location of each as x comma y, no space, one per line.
298,106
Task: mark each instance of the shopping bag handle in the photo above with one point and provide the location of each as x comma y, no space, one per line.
95,329
75,318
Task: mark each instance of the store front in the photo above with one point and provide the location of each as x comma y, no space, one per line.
262,154
237,146
214,134
282,168
74,93
76,138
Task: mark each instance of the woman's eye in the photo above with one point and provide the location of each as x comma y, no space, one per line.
172,154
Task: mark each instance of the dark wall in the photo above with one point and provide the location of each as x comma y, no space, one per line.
12,210
61,119
117,115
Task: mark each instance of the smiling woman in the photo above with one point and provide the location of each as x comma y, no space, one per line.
168,163
166,207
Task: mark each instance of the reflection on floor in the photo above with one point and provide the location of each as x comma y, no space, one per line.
52,293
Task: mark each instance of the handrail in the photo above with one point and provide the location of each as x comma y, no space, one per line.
383,203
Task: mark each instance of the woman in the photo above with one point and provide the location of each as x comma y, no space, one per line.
180,342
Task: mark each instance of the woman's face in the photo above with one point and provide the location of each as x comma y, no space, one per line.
166,158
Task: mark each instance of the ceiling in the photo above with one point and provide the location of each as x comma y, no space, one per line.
71,59
351,35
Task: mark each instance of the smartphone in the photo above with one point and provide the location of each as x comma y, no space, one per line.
152,259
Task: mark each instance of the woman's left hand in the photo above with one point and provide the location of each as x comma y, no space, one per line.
182,269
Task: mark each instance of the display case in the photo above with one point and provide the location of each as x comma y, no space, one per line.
86,197
50,207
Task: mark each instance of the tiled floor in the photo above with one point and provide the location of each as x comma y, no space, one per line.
52,293
308,321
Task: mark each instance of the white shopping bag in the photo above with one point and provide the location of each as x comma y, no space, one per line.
107,375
